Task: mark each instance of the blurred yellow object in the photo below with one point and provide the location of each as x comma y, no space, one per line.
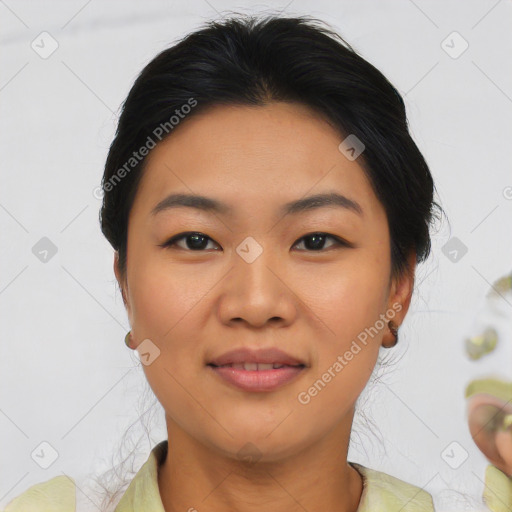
491,399
479,345
502,285
498,490
491,386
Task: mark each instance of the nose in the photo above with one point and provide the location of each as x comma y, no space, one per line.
256,294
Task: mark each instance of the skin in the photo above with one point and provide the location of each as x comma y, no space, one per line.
494,443
197,304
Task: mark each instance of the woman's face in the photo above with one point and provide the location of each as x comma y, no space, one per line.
254,278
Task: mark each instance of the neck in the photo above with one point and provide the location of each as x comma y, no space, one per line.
195,477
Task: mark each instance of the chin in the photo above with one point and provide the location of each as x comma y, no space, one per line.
254,445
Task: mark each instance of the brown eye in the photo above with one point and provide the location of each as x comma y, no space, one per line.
194,241
316,241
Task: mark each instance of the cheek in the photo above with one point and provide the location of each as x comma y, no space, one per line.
162,295
167,308
347,297
349,305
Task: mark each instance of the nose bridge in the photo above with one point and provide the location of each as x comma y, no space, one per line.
253,264
254,292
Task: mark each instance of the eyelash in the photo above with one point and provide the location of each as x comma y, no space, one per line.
172,241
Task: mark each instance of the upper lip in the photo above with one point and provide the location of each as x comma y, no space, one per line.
261,355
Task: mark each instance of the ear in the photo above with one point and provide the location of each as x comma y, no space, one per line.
120,281
400,293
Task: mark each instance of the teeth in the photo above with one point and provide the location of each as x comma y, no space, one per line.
254,366
265,366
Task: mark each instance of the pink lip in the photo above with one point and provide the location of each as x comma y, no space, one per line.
257,380
262,355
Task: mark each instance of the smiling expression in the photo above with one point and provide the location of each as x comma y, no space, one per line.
251,230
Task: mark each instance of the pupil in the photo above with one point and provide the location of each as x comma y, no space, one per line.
319,241
200,242
194,244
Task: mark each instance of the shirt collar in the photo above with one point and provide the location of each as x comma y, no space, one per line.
143,492
380,491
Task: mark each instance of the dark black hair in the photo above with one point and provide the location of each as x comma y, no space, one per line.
246,60
251,60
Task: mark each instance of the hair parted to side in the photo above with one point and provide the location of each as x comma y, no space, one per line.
255,60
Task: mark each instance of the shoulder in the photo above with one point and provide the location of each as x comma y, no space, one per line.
387,493
55,495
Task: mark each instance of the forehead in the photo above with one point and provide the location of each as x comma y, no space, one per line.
266,153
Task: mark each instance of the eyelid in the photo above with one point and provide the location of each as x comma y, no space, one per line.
172,241
339,242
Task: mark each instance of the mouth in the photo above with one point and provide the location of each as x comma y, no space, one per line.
257,377
252,367
254,359
262,369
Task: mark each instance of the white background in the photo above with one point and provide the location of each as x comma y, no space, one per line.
66,376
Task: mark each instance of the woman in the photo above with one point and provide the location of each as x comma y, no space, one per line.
267,206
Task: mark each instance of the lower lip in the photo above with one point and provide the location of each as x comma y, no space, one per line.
258,380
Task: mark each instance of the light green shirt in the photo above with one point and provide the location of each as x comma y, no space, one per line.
381,492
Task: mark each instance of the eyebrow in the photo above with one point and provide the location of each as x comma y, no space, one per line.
209,204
